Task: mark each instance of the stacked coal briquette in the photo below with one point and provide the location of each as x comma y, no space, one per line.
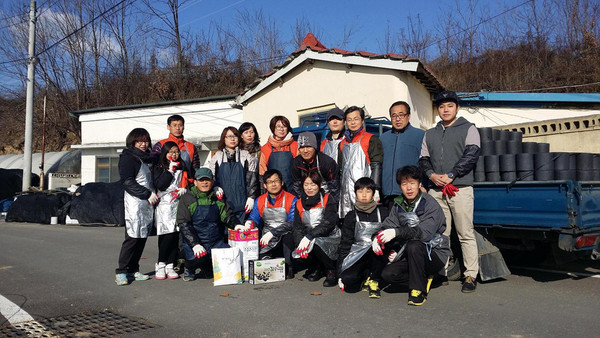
505,158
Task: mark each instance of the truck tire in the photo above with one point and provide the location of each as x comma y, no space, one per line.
454,269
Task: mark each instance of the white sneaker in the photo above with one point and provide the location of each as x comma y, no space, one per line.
159,270
171,274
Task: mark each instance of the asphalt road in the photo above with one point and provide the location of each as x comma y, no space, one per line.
55,271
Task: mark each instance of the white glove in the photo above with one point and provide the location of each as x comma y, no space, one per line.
376,197
304,242
265,239
199,250
340,284
386,235
392,256
172,166
376,248
243,228
249,205
219,192
181,192
153,199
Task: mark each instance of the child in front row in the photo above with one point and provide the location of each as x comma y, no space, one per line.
357,261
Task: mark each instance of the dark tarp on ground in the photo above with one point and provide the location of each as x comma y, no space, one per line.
98,203
38,207
11,181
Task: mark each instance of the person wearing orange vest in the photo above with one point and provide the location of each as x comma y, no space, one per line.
279,152
188,151
273,214
315,231
362,154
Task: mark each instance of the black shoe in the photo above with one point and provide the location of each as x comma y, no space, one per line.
289,273
331,279
440,280
416,297
315,276
308,272
469,285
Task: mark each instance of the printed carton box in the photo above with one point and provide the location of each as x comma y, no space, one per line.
267,270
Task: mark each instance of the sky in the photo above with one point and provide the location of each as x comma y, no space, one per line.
368,20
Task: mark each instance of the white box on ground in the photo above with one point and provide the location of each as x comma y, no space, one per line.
267,270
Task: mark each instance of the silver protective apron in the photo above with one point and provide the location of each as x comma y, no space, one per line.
165,214
275,222
355,166
184,155
332,148
311,219
363,237
139,213
407,219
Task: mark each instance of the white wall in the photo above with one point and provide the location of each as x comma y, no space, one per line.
501,116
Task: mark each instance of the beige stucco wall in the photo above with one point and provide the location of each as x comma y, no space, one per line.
321,84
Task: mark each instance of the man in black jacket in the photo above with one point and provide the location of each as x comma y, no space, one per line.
310,158
450,151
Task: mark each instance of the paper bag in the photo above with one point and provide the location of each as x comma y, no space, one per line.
227,266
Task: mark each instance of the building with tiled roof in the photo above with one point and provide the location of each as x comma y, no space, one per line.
315,78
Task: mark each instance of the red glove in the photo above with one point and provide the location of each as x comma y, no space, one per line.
303,253
174,193
449,190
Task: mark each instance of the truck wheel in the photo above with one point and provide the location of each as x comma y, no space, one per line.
453,272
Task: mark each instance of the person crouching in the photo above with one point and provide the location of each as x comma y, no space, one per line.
201,216
356,260
416,227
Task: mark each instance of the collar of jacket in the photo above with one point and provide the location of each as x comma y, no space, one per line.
273,201
340,135
399,131
405,205
199,194
350,136
179,140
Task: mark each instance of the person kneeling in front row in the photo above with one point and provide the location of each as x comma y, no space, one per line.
201,216
416,227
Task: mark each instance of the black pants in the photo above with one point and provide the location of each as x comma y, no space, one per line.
284,248
369,265
168,247
131,252
319,259
414,268
203,263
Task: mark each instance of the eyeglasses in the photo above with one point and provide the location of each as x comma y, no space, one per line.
231,137
398,116
173,153
356,119
272,182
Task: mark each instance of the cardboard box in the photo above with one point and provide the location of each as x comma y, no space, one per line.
267,270
248,244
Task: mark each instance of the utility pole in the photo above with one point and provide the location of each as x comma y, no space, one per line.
29,101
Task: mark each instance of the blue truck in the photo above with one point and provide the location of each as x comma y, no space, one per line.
529,219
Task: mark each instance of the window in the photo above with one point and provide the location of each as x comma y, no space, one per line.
107,169
313,115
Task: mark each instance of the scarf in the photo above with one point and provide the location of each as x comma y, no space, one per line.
308,202
366,207
280,144
252,148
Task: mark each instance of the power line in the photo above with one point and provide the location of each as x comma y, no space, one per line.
72,33
474,26
547,88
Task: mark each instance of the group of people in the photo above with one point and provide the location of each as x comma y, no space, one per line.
353,209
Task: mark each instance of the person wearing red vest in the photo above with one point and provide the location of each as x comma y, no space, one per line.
273,214
279,152
362,154
315,231
188,151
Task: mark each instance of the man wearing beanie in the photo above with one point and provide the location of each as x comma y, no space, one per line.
310,158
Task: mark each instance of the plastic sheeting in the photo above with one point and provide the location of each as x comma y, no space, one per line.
98,203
